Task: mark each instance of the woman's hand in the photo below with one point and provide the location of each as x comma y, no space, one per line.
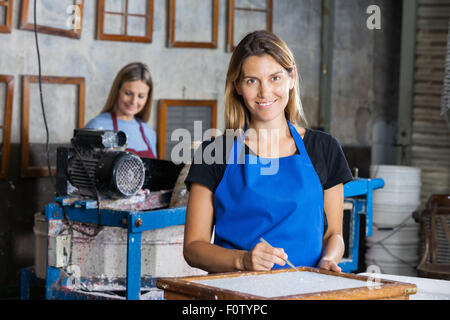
333,242
263,257
328,264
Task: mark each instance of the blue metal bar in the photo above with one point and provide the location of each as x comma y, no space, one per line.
369,211
361,187
133,263
52,211
26,274
85,212
27,277
356,225
51,282
150,220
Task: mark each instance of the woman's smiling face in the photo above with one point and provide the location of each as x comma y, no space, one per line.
264,86
132,98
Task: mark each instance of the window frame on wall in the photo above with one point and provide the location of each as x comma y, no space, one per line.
192,44
29,26
6,125
230,20
164,104
27,80
101,35
7,26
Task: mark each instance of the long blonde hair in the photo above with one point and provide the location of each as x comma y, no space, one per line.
131,72
259,43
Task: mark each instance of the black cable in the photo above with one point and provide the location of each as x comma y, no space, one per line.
46,125
40,94
65,215
72,228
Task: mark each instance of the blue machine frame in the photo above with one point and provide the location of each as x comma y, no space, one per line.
360,207
86,212
138,222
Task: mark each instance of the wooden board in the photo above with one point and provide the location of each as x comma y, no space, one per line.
193,27
28,104
6,27
340,286
110,16
244,17
5,126
75,24
182,114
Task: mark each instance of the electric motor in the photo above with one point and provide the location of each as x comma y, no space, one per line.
95,165
116,174
98,165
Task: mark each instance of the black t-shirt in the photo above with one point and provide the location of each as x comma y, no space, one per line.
324,151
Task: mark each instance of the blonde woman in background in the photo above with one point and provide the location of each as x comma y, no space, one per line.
128,109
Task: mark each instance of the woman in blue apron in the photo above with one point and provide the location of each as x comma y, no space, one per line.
128,109
268,188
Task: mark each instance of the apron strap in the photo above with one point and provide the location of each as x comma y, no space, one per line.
239,144
114,121
141,128
297,139
143,134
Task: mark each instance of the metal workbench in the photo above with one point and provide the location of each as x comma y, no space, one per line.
357,192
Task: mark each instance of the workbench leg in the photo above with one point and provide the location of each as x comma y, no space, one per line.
356,242
25,279
134,266
52,274
369,212
51,282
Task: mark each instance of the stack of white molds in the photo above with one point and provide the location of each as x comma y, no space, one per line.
394,245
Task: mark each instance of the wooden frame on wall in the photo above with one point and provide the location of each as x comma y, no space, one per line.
74,33
192,44
164,105
101,35
230,23
26,169
7,26
6,125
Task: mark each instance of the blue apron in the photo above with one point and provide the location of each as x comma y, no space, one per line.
285,208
